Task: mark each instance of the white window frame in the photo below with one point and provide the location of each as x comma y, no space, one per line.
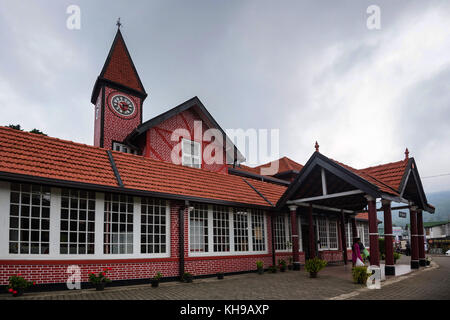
287,233
55,217
167,227
222,228
120,147
69,220
263,229
362,227
191,156
327,225
335,223
232,252
30,217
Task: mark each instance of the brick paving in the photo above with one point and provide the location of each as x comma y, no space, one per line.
424,285
333,281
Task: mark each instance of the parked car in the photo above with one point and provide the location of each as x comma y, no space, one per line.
447,253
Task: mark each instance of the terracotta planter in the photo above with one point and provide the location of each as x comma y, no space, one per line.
100,286
313,274
261,271
155,283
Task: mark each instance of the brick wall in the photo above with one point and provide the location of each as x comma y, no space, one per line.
159,145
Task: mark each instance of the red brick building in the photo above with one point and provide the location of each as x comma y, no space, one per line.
171,195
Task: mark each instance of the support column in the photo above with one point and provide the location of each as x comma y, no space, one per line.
343,238
413,241
312,244
421,239
389,268
294,232
354,229
373,232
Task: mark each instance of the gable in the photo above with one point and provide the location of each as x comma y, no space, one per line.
191,110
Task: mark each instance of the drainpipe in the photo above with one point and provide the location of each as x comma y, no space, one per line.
272,222
181,236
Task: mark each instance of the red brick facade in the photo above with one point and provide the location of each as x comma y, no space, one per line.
55,271
115,127
159,142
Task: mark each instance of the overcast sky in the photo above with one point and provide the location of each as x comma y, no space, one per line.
309,68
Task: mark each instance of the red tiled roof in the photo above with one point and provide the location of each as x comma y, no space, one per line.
119,66
381,184
284,164
41,156
390,173
363,216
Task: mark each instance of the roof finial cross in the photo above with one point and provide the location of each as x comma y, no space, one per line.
406,154
118,24
316,146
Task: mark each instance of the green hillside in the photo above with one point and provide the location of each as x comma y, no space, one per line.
440,200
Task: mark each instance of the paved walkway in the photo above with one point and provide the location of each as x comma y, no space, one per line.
424,285
334,282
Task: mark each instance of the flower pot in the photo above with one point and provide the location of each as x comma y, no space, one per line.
220,276
291,267
18,293
313,274
100,286
282,269
188,279
261,271
155,283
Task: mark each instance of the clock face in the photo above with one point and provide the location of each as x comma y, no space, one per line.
123,105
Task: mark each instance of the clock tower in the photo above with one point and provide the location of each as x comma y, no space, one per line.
118,96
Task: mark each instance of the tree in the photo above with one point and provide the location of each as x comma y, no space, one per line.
37,131
15,126
18,127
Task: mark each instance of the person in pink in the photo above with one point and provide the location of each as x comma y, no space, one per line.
356,254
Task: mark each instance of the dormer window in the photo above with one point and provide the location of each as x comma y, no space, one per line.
123,148
191,153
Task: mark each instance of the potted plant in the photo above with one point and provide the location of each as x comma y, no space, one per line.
273,269
18,285
260,267
187,277
282,265
99,280
396,256
155,280
313,266
220,275
360,274
291,264
428,261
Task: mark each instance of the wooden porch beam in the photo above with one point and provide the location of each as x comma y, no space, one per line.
326,208
326,196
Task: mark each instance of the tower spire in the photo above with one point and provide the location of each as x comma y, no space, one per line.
118,23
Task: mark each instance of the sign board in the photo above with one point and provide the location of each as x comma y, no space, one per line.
402,214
